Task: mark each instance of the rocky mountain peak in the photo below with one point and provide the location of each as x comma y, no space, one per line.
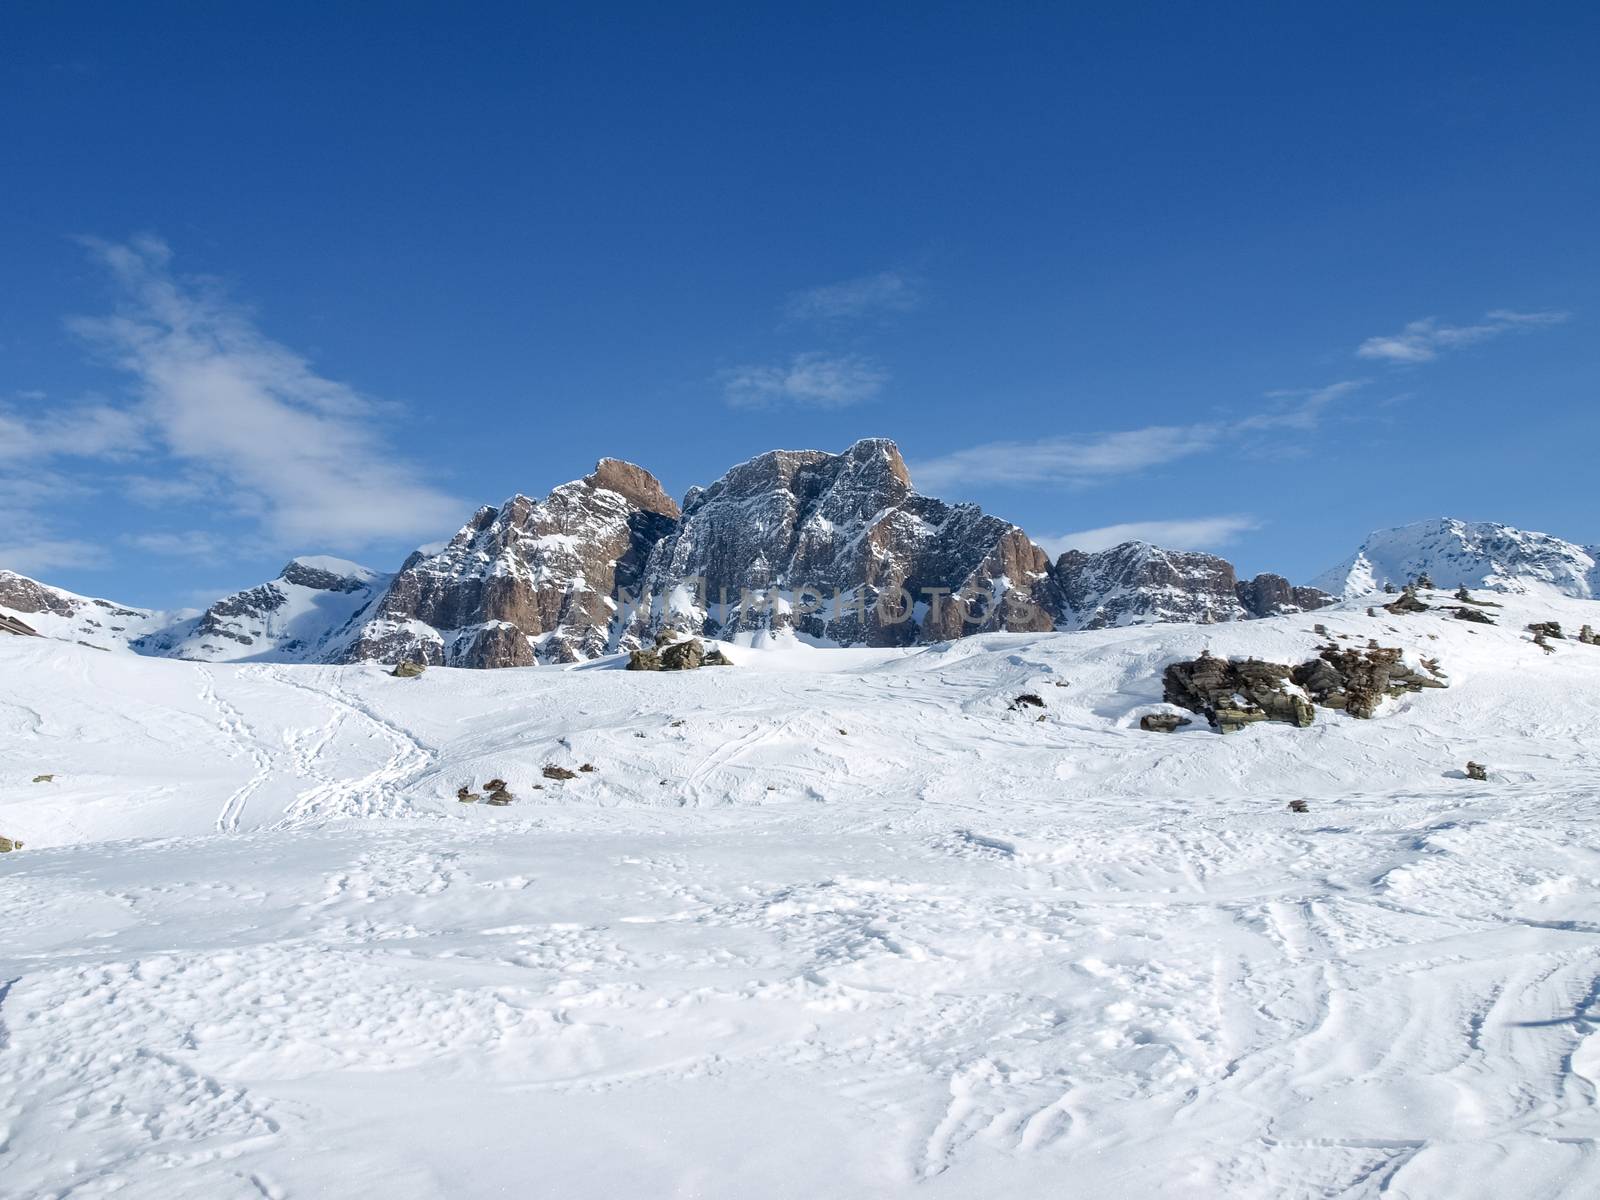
321,573
292,618
829,545
634,484
528,581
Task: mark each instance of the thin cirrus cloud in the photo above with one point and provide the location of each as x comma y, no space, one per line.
867,295
1189,533
1424,340
811,380
1097,458
188,543
300,454
34,556
1065,460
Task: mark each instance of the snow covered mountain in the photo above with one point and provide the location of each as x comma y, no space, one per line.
1475,554
292,618
57,613
838,548
1136,583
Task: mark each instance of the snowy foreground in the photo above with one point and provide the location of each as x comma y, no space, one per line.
828,924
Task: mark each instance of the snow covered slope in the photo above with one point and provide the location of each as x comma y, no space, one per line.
837,923
292,618
1481,554
54,612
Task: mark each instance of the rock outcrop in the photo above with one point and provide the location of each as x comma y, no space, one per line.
530,581
1357,680
16,627
1234,693
1269,595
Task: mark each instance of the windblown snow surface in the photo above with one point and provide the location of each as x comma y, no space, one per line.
830,923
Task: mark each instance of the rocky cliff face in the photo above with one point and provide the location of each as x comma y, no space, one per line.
1473,554
1140,584
530,581
293,618
839,548
1269,595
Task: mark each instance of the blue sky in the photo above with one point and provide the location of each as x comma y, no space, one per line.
315,278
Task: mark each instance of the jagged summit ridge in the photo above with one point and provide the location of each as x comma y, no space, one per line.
835,548
839,548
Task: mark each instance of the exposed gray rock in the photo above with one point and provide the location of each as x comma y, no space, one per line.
1269,595
683,656
1234,693
28,605
1407,603
1163,722
16,626
1358,680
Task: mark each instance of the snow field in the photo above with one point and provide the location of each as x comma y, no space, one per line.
254,947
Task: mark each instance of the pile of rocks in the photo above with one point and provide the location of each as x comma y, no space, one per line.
499,796
687,655
1234,693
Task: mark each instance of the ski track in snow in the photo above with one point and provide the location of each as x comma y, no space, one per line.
875,936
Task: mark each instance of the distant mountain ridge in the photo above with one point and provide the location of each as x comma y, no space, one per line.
1474,554
839,549
293,618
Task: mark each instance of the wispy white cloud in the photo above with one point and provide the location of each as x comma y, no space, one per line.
1065,460
35,556
885,292
1184,533
810,380
1424,340
188,543
84,431
1099,457
305,454
1298,408
32,538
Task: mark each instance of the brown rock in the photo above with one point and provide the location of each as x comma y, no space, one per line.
1163,722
